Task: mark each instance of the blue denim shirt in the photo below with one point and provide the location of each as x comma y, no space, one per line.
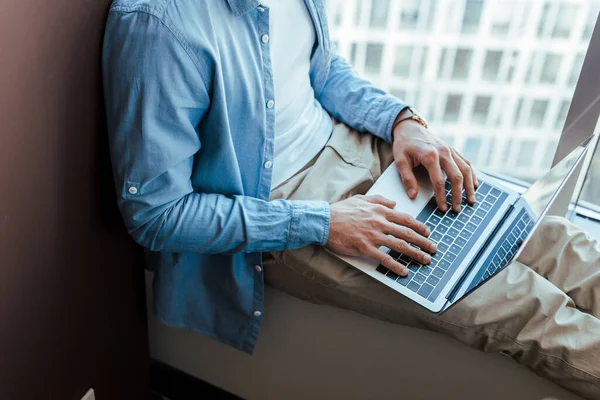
190,107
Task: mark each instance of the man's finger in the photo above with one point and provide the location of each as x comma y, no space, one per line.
402,247
387,261
432,163
410,236
467,174
407,175
407,220
378,199
475,181
456,179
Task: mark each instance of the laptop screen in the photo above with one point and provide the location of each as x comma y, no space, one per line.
541,193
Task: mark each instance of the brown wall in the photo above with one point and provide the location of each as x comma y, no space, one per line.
72,310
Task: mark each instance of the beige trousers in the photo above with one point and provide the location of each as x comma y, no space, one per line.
543,310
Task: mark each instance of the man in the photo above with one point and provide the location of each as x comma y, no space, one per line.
224,152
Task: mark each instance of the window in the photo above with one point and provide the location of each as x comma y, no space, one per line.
481,109
564,20
452,111
471,16
562,115
576,69
373,58
538,113
590,192
491,65
379,13
524,159
472,148
403,58
409,14
550,68
494,77
462,64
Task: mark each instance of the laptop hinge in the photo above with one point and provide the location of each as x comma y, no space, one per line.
450,296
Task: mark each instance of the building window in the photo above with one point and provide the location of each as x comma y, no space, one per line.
409,14
472,148
471,16
481,109
518,111
353,53
379,13
550,68
541,28
538,113
576,70
358,12
491,65
514,60
403,56
452,109
398,93
564,20
502,15
462,64
589,26
442,63
524,158
562,115
373,58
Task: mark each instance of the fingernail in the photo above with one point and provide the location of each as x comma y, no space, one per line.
427,231
457,208
404,272
433,247
427,259
472,199
412,193
444,208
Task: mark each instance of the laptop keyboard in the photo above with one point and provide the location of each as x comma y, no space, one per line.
454,233
506,247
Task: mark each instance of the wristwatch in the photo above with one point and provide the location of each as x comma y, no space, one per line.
414,115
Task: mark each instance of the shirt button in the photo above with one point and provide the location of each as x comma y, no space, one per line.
268,164
265,38
257,313
258,268
261,9
270,104
132,190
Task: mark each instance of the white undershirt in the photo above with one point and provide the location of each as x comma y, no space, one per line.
302,126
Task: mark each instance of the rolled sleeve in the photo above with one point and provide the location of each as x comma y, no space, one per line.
309,224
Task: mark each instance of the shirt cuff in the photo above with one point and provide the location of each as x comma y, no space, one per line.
383,115
309,224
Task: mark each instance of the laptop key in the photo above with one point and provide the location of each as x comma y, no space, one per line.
425,270
447,240
458,226
455,249
441,229
392,275
447,221
439,213
437,256
382,269
430,226
433,280
480,213
476,220
435,236
452,214
444,264
483,189
434,220
468,210
495,192
438,272
463,218
425,290
442,247
460,242
485,206
471,227
414,286
465,234
403,280
414,266
394,254
419,278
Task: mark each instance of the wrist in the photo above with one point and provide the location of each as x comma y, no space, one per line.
406,117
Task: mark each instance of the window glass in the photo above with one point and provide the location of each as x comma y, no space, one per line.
491,65
409,14
403,58
452,110
462,64
373,58
379,13
481,109
550,68
484,73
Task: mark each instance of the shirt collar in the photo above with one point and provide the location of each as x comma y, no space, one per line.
241,7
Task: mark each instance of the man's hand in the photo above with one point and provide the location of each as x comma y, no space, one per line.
414,145
361,224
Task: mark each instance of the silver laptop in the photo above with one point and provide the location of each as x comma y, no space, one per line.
473,245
